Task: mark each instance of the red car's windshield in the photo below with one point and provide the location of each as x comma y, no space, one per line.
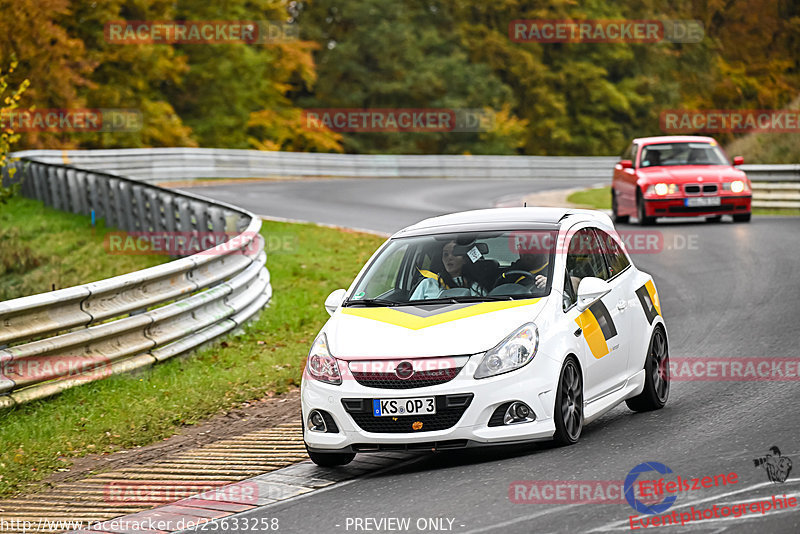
665,154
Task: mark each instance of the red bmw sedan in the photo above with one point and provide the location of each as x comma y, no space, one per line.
678,176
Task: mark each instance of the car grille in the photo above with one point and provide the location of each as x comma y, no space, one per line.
419,379
694,189
449,409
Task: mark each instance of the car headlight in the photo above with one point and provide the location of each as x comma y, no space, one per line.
515,351
662,189
737,186
321,365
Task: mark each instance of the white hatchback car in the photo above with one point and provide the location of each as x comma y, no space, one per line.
481,328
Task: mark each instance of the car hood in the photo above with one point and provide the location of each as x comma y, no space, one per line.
690,173
357,333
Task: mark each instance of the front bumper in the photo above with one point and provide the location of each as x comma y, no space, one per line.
676,207
470,425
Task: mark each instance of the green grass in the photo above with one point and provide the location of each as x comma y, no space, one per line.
600,198
42,248
130,410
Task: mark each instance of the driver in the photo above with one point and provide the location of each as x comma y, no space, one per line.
454,276
534,263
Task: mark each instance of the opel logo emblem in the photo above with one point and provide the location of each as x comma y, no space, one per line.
404,370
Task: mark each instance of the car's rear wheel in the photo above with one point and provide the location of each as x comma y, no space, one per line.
742,217
615,216
640,213
568,412
656,376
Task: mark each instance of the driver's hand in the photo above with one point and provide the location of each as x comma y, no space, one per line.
540,281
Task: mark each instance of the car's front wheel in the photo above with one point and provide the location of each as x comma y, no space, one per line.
644,220
326,459
331,459
742,217
615,216
568,412
656,379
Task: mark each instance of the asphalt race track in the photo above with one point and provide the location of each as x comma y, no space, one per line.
727,290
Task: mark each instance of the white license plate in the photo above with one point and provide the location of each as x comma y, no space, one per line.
395,407
702,201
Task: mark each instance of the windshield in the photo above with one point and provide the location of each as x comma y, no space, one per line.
667,154
459,267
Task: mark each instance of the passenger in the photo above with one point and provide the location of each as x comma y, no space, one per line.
454,276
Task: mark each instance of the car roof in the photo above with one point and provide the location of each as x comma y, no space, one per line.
673,139
528,218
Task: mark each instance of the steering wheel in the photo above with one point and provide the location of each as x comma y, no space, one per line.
508,280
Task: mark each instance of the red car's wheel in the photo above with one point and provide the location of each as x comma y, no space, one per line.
615,216
640,213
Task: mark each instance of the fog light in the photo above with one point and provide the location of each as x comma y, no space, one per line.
316,422
518,412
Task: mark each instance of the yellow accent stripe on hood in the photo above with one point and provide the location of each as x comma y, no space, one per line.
651,290
413,322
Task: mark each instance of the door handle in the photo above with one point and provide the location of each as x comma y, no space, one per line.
622,304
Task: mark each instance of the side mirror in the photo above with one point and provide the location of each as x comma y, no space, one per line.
334,300
590,290
738,160
626,164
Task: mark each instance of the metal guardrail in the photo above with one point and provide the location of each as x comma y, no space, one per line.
169,164
53,341
165,164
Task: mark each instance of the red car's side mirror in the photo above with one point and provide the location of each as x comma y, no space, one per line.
626,164
738,160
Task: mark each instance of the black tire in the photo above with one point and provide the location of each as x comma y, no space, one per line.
714,218
742,217
643,220
568,410
331,459
655,394
326,459
614,215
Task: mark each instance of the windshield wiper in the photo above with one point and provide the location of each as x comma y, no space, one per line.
371,302
489,298
462,299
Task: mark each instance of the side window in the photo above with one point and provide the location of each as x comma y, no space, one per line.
385,279
629,152
585,258
616,259
570,297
